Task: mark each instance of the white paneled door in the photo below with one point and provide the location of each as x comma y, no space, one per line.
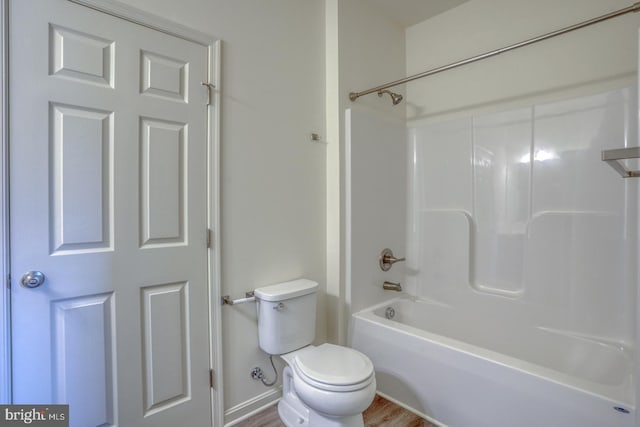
108,199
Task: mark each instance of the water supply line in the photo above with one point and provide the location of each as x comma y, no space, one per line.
380,89
257,374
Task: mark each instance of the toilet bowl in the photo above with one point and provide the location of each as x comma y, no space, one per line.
323,386
335,383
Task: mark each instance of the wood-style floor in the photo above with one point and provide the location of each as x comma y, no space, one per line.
381,413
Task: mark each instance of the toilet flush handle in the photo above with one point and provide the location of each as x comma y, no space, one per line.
278,306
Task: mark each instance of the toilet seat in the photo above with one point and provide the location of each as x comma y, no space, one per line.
333,368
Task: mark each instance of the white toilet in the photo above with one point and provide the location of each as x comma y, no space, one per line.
324,386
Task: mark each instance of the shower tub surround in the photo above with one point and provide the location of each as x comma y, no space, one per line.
522,250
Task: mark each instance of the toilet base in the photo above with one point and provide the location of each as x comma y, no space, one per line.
293,416
294,413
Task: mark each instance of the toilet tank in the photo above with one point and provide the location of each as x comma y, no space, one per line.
286,315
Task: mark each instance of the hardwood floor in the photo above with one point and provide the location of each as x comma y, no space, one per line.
381,413
267,418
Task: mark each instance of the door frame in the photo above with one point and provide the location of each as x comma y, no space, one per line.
213,45
5,309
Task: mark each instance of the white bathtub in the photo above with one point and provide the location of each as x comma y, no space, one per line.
465,371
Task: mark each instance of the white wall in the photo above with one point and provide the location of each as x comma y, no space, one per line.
364,49
273,177
602,55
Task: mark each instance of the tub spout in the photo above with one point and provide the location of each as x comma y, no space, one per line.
391,286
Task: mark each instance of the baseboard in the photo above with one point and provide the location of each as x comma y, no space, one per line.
247,409
410,409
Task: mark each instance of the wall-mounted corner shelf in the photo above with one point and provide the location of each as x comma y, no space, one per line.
615,157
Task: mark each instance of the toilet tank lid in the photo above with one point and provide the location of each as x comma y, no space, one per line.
286,290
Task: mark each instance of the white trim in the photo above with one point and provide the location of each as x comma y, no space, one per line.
250,407
636,372
5,302
213,184
147,19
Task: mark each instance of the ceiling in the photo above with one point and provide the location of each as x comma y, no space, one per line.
411,12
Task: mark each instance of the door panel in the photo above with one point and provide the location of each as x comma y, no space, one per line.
166,361
108,199
83,364
162,154
81,179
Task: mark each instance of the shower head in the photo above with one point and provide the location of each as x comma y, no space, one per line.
396,98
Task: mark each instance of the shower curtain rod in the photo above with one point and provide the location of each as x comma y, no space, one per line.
634,8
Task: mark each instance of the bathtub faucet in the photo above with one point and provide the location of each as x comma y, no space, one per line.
387,259
391,286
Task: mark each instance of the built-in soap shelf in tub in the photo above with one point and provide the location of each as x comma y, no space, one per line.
552,248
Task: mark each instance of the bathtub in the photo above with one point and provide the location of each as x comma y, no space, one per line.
464,371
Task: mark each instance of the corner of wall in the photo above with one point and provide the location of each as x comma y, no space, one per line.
334,300
368,50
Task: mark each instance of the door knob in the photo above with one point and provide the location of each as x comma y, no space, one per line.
32,279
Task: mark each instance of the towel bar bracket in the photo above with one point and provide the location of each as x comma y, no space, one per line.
248,297
615,157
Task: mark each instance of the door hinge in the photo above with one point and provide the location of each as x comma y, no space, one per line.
210,87
8,281
211,378
209,238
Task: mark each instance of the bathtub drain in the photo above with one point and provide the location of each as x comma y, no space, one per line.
390,313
